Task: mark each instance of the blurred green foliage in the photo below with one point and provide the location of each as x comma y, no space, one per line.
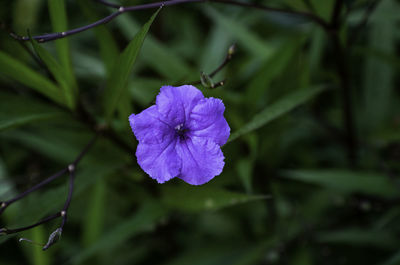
288,193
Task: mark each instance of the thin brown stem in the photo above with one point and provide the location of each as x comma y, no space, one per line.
71,168
228,58
124,9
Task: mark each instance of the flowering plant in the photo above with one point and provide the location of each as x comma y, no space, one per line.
181,136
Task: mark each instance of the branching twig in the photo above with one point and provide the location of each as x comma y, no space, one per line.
205,79
123,9
71,168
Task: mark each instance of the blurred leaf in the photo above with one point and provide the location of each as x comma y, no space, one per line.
358,237
26,15
378,76
302,257
272,68
244,169
25,75
59,73
347,181
194,199
212,254
159,56
107,44
117,84
17,111
143,220
39,257
277,109
58,16
245,37
394,260
323,8
94,220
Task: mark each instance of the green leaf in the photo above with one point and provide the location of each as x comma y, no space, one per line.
39,235
276,110
107,44
194,199
117,84
58,16
359,237
25,75
379,76
59,72
347,181
156,54
16,110
26,14
93,224
143,220
272,68
393,260
245,37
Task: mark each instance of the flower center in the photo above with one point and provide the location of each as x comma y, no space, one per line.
180,131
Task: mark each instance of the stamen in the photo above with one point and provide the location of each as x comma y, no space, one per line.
180,131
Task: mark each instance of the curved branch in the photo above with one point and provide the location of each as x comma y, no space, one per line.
63,213
123,9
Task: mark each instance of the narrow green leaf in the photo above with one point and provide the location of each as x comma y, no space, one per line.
272,68
58,16
379,76
16,110
25,75
12,122
323,8
347,181
117,84
26,14
156,54
359,237
247,39
59,72
107,44
276,110
193,199
95,214
393,260
143,220
38,234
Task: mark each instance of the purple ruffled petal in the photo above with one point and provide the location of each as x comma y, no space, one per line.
202,160
149,128
160,161
207,121
176,103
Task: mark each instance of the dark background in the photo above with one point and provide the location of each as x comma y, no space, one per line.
311,172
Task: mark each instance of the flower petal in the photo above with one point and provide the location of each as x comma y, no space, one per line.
149,128
160,161
175,103
202,160
207,120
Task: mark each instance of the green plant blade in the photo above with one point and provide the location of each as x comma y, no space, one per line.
359,237
346,181
139,222
276,110
59,72
194,199
117,84
25,75
58,16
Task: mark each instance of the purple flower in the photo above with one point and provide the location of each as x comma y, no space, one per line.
181,136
